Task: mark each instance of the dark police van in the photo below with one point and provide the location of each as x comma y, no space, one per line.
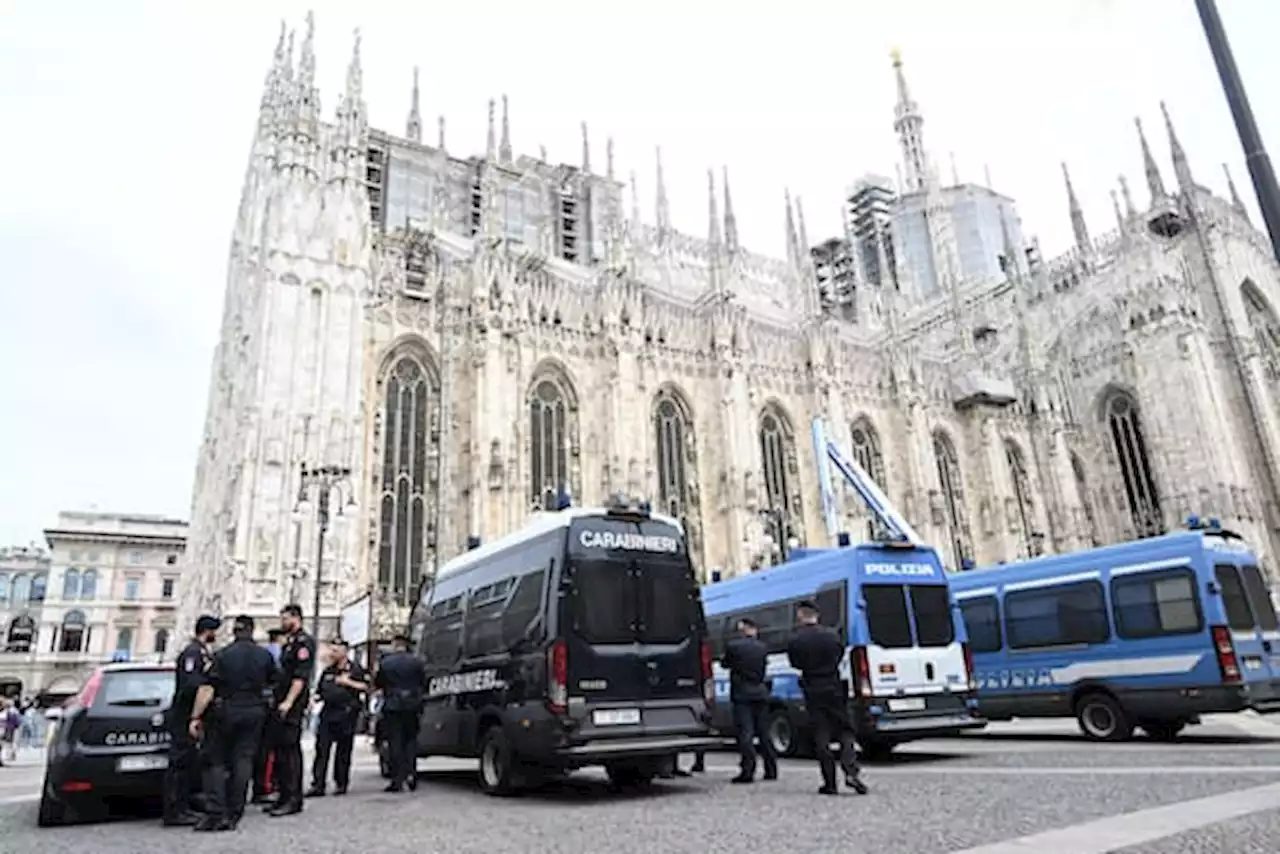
110,746
576,641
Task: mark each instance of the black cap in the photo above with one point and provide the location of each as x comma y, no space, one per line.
275,634
208,623
337,642
806,605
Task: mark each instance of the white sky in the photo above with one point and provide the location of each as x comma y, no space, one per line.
126,126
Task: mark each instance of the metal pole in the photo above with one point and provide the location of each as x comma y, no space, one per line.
1255,155
323,518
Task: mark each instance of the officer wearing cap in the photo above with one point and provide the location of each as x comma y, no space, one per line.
183,774
235,692
342,686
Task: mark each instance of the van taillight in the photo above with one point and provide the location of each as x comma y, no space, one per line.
968,668
558,677
89,692
861,673
708,675
1228,666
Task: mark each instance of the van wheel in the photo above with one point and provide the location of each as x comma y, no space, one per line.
497,764
781,733
631,776
1102,719
1163,730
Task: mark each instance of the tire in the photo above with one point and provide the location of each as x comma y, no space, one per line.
631,776
1101,718
497,763
1163,730
52,813
781,733
875,750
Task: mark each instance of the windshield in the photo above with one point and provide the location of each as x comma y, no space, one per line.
137,688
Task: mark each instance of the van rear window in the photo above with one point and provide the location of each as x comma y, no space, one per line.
1234,600
888,621
605,608
626,601
1259,598
931,605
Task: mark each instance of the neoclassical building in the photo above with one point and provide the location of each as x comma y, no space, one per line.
472,335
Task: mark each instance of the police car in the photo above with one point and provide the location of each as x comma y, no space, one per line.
110,745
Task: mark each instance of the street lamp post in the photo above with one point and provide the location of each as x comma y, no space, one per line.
1255,154
325,479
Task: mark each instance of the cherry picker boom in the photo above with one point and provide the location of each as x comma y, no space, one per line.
828,455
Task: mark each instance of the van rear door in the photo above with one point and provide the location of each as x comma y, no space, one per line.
635,625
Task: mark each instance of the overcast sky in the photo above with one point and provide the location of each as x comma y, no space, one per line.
127,124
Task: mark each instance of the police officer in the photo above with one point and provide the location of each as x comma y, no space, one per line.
266,775
341,689
234,698
401,679
292,697
182,777
745,657
816,651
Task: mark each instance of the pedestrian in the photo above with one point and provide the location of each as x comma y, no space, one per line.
10,723
342,687
265,768
746,659
401,679
182,774
229,712
817,651
292,698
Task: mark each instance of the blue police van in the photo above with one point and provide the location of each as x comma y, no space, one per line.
1148,634
908,670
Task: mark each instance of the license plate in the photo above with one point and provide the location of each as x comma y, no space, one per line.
142,763
615,717
907,704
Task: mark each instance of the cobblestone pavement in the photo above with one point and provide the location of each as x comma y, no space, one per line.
1017,787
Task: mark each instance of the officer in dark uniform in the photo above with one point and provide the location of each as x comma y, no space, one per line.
182,777
230,709
342,687
265,769
745,657
816,651
292,697
401,679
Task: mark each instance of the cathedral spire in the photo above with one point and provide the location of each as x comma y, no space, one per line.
635,205
793,242
307,57
608,159
661,205
1078,227
730,221
1236,201
440,133
504,147
1115,206
1155,183
1181,168
1129,208
491,140
802,232
586,150
713,214
413,127
909,125
885,273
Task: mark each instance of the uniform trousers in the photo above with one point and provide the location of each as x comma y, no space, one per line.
400,728
230,746
829,712
336,734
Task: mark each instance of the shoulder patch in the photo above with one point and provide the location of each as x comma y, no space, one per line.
303,653
189,664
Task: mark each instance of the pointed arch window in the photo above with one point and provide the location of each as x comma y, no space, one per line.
74,632
866,450
407,478
1124,424
672,431
781,486
1266,328
1022,494
1086,499
955,514
71,585
551,412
